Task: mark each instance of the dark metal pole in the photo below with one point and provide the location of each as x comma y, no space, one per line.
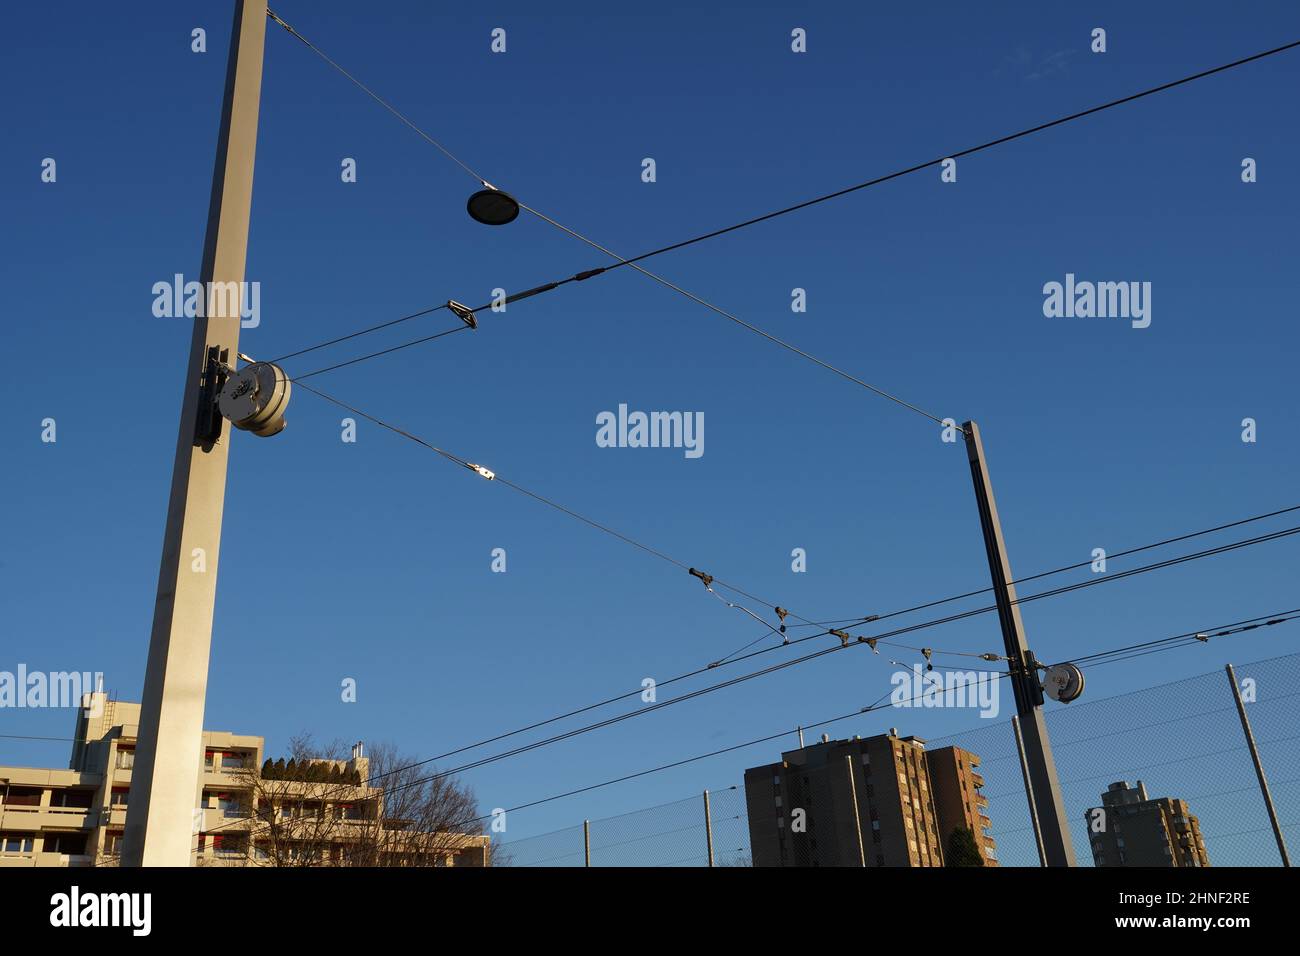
1057,846
1259,767
1029,791
708,826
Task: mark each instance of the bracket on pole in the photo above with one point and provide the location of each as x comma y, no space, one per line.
208,423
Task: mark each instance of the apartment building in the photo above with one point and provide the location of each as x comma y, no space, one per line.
1130,829
879,801
328,815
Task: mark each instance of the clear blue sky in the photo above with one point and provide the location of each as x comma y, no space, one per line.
372,560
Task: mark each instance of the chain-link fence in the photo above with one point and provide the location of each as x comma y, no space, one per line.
1184,741
671,834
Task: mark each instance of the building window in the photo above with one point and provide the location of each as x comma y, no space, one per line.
230,845
23,797
71,799
15,843
71,844
231,804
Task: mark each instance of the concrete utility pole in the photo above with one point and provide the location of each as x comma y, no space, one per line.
1259,767
160,827
1046,789
857,814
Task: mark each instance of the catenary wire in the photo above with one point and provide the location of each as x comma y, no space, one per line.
622,261
708,690
878,704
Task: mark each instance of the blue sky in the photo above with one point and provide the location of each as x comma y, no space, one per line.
372,560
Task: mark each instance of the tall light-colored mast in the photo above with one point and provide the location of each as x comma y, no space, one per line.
160,827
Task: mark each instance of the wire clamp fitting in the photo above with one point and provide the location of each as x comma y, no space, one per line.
487,473
464,312
782,613
707,579
842,635
870,642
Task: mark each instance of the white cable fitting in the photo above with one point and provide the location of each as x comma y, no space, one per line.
487,473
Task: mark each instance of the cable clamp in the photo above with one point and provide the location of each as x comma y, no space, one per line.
842,635
464,312
782,613
485,472
706,578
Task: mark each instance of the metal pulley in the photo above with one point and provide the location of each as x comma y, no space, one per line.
255,398
1063,682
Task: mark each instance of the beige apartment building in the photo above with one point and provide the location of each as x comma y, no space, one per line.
1130,829
879,801
76,817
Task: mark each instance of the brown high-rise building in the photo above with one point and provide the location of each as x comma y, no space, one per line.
1129,829
882,801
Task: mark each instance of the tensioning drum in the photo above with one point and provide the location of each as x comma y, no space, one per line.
255,398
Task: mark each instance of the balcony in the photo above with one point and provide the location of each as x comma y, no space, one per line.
28,818
226,820
14,860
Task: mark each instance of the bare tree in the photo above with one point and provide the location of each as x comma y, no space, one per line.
307,812
426,815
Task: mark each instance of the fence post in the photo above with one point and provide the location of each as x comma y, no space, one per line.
586,842
708,826
1259,767
1029,791
857,817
